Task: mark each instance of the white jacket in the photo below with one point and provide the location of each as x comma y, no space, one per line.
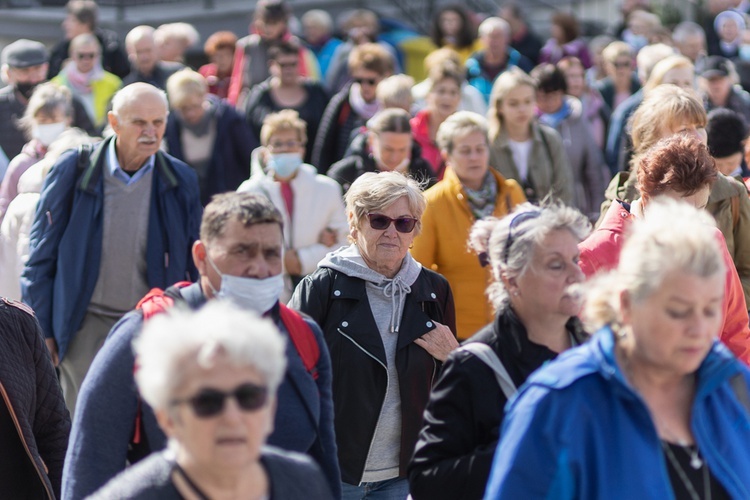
318,204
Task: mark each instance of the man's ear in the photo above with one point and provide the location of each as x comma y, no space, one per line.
199,257
113,122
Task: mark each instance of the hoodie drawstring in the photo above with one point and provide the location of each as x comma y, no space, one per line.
397,290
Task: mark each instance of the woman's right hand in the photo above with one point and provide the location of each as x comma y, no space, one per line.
439,342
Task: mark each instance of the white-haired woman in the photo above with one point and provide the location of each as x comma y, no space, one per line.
469,191
211,377
389,325
662,409
533,257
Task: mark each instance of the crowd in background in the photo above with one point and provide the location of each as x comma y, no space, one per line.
364,215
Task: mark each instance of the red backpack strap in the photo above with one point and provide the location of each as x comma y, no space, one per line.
157,300
303,339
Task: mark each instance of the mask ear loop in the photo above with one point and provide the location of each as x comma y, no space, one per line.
221,276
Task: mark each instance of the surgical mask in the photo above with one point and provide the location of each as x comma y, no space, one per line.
744,52
48,132
635,41
284,164
26,89
258,295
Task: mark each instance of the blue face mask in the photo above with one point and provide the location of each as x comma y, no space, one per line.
284,164
744,52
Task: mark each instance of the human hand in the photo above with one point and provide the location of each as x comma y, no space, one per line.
439,342
328,237
291,262
52,348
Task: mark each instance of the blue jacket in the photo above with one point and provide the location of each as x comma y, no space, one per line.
232,149
108,402
578,430
66,238
477,77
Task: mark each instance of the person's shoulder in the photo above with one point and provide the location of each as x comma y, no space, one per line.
149,479
434,279
6,95
294,475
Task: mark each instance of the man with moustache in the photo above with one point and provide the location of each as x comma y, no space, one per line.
111,224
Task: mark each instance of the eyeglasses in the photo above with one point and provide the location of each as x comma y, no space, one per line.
210,402
514,223
368,81
402,224
86,55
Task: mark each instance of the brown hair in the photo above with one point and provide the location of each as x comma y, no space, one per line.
219,41
371,57
568,24
678,163
247,208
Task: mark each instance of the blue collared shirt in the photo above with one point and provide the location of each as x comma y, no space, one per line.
118,173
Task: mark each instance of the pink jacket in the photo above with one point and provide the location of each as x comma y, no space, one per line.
601,252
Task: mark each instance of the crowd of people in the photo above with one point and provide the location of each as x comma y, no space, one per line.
305,269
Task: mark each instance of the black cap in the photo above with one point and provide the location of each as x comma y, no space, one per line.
24,53
716,67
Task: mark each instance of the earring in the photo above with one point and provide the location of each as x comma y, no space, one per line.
515,293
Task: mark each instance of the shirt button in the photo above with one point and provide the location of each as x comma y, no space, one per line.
337,293
429,324
344,324
433,295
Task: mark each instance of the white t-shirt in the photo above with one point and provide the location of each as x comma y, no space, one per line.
521,152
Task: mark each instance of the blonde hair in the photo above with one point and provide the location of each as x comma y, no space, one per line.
183,84
673,236
395,92
663,67
287,119
439,56
457,125
506,82
616,49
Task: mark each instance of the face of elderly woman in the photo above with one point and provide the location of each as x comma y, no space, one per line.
469,159
230,439
544,288
691,129
384,249
674,327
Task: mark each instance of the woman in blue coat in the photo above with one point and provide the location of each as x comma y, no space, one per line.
653,406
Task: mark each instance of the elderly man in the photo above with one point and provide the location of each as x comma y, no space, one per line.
144,58
24,66
239,257
111,224
484,66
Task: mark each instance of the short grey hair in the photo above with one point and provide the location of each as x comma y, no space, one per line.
459,124
673,236
47,98
687,29
183,31
319,18
395,91
171,342
489,239
83,40
648,56
494,23
126,95
137,34
372,192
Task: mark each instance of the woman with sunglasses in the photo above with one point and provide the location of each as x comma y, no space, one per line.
532,255
389,325
211,377
470,191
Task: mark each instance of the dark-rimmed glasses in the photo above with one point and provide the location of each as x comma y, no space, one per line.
402,224
368,81
208,402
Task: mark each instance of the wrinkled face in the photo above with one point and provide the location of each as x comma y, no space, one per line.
254,251
517,107
682,77
496,42
444,97
718,89
544,288
674,327
73,27
384,249
223,59
390,149
191,108
450,23
86,57
286,68
230,440
576,80
368,82
140,126
469,159
142,54
549,102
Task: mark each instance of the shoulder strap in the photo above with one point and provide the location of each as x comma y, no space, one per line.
489,358
84,155
739,386
303,339
735,206
546,146
157,300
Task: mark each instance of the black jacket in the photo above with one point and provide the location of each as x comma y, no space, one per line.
462,421
358,161
338,303
334,131
30,390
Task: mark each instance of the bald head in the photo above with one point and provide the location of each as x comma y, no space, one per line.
136,92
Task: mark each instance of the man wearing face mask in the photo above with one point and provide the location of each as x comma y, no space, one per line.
24,66
240,258
310,204
385,146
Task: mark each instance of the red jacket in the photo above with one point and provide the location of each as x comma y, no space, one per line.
601,252
420,131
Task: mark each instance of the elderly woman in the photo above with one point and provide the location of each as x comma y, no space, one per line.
389,325
470,190
387,146
533,256
521,148
207,134
48,114
286,89
313,215
211,376
677,167
653,384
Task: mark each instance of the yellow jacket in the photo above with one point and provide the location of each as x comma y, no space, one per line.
103,90
442,246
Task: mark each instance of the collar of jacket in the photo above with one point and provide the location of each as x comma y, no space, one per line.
502,140
508,325
92,173
457,189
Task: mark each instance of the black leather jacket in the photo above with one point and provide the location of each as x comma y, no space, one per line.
340,306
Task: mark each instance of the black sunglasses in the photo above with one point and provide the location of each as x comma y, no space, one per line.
368,81
210,402
402,224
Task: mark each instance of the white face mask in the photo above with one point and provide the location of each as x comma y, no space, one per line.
47,133
258,295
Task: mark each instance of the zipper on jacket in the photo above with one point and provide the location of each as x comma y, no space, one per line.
25,445
387,385
434,371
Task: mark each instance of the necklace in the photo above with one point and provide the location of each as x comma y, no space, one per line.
683,476
196,490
